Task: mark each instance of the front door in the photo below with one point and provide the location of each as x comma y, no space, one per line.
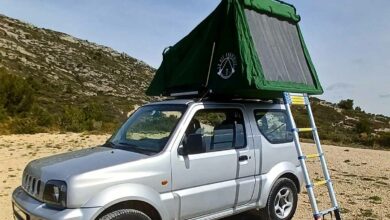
218,172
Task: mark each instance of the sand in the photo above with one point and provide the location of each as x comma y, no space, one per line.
360,176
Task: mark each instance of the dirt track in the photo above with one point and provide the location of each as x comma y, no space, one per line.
360,176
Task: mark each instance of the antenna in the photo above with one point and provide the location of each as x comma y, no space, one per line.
211,62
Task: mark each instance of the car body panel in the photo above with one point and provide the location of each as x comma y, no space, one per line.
218,176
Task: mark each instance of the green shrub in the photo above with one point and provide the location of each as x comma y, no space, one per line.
72,119
76,119
42,116
24,126
3,113
16,94
93,111
358,109
366,140
383,140
346,104
363,126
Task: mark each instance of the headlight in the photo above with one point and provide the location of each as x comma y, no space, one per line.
55,194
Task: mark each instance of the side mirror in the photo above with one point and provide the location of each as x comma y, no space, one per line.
183,151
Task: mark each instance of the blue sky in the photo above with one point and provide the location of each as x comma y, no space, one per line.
349,40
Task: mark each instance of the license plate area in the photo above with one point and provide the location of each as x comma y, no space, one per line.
19,214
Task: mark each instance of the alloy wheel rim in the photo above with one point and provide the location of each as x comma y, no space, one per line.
283,202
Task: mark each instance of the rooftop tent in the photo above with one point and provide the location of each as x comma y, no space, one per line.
244,48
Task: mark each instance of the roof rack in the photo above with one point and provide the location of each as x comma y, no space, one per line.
209,96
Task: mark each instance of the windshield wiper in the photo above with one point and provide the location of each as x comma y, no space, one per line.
129,147
133,147
109,144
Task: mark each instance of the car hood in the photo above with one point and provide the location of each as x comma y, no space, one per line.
63,166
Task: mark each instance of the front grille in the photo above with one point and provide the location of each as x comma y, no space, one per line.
33,186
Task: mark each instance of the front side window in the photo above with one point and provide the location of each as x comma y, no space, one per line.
148,129
274,126
215,130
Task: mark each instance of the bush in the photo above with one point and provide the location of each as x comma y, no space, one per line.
16,94
367,140
24,126
93,111
384,140
72,119
346,104
363,126
42,116
3,114
78,119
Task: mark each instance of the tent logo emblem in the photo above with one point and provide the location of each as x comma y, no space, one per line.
227,65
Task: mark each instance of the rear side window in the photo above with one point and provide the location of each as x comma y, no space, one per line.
274,126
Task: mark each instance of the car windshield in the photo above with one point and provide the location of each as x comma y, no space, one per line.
148,129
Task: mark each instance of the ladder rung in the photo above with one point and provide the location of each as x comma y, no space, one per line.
298,100
319,183
305,129
312,156
309,156
327,211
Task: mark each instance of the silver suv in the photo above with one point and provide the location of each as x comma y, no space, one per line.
175,159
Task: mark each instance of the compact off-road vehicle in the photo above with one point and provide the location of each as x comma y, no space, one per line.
175,159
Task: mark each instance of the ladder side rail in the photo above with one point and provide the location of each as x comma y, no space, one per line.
322,158
309,186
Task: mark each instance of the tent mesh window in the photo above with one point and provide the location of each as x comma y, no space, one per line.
279,48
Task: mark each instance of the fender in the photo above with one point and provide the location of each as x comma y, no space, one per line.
268,179
127,192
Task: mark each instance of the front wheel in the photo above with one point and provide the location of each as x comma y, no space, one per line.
125,214
282,201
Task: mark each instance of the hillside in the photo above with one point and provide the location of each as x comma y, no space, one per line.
63,70
50,81
345,124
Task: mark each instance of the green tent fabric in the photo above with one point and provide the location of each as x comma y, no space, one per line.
244,48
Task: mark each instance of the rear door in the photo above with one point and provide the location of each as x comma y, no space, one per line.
218,173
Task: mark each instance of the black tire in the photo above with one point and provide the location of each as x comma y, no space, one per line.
125,214
269,212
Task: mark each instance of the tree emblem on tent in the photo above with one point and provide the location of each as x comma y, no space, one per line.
227,65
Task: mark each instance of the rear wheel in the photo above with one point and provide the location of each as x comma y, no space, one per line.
125,214
282,201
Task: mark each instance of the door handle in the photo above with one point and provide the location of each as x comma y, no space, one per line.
243,158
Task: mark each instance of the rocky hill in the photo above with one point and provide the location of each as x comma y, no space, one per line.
345,124
50,81
67,70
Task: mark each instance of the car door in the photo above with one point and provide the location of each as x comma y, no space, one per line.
218,172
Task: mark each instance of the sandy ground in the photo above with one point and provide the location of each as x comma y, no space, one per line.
360,176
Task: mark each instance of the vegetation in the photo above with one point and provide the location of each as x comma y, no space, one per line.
346,104
16,95
21,113
343,124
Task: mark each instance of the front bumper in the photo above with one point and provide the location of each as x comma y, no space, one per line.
36,210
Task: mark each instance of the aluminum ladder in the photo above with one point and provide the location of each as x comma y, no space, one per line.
303,100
